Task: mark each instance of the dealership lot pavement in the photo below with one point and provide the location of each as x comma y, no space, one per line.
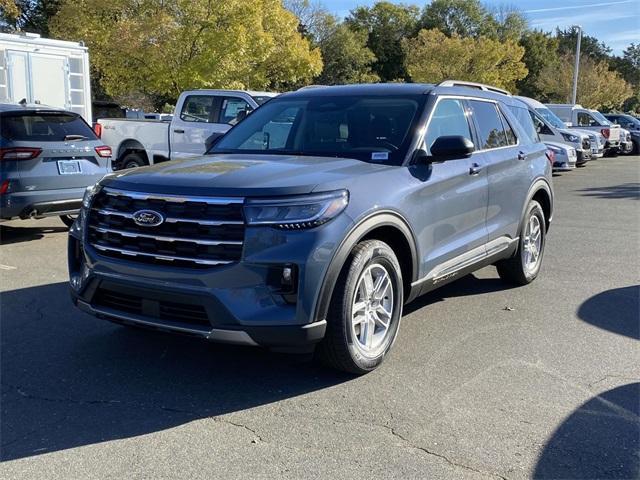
485,381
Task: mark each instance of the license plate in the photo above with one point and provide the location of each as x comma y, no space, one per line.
69,167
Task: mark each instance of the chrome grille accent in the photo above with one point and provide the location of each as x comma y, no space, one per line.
197,232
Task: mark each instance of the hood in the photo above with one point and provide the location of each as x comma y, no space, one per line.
561,146
244,175
571,131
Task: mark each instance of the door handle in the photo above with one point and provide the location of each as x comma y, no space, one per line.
522,156
178,130
475,169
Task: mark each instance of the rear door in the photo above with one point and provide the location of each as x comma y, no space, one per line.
507,158
49,80
201,118
65,146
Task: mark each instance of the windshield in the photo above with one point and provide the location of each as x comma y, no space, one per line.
551,117
44,127
600,118
368,128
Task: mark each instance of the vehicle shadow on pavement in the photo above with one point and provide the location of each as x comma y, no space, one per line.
626,190
70,380
616,310
10,235
598,440
467,285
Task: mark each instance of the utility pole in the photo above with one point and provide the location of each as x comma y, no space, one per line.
576,69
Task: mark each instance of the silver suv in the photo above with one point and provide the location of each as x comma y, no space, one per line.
48,157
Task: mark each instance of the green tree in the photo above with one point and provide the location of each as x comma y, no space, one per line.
470,18
386,25
430,54
346,57
540,51
163,47
598,87
28,15
589,46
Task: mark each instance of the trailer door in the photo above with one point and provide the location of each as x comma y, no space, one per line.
18,76
49,80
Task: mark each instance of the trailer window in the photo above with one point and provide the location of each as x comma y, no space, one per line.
43,126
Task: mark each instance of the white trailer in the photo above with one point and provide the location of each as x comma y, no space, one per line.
46,71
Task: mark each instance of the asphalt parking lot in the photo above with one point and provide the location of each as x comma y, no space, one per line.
485,381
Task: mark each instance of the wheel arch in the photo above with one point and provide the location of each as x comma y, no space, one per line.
131,145
542,193
387,226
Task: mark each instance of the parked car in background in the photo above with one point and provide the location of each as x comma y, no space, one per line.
630,123
45,71
199,118
48,157
564,157
552,129
626,143
368,196
583,118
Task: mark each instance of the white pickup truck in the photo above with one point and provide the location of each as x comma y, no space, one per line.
576,116
199,118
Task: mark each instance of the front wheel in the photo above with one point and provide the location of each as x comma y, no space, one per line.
524,266
365,310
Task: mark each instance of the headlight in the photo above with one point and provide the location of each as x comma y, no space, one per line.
89,193
296,212
570,137
78,225
555,150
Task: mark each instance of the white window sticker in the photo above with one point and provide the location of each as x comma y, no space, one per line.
380,156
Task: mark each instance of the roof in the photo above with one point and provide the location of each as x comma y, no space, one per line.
530,102
362,89
6,106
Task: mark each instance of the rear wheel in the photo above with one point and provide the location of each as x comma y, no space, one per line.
365,310
132,160
524,266
68,219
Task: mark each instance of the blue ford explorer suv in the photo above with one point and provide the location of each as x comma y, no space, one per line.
311,223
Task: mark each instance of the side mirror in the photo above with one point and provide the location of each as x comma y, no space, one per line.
451,147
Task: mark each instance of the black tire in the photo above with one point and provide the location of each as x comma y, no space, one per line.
514,270
68,219
340,349
635,150
131,160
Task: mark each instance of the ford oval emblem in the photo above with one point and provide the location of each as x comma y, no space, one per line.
148,218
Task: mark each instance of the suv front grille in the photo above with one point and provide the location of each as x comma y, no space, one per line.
197,232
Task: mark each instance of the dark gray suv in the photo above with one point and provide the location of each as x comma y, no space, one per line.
312,222
48,157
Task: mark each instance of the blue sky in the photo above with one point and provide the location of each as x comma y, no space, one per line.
615,22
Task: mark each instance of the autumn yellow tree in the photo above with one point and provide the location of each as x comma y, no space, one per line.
598,87
163,47
432,57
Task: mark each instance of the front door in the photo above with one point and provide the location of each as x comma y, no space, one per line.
453,198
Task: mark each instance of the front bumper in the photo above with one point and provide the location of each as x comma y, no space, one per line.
237,303
42,203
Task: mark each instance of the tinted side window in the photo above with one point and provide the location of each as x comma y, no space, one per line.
530,123
197,108
511,136
448,118
43,127
233,110
586,120
492,134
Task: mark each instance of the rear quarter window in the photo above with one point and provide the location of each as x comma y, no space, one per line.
43,127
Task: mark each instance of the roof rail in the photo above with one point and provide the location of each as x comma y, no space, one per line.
479,86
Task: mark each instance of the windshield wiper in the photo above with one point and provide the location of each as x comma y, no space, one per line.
75,137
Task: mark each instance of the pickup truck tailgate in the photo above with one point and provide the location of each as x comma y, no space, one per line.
614,133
